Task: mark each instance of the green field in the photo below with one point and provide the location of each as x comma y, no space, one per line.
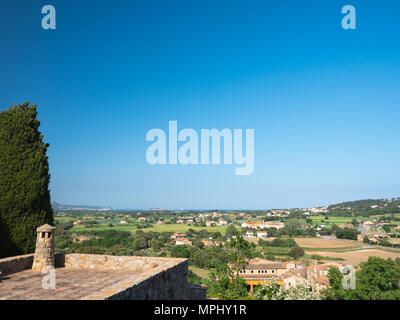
202,273
157,228
332,220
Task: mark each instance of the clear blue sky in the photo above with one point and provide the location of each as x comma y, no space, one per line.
324,102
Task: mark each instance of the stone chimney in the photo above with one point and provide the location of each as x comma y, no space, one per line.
44,253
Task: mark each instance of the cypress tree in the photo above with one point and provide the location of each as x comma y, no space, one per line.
24,180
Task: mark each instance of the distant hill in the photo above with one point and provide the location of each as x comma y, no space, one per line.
365,203
68,207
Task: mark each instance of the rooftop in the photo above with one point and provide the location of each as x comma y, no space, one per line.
98,277
71,284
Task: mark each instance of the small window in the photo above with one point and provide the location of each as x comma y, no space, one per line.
43,234
273,271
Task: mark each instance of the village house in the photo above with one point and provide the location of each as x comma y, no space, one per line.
253,225
216,215
321,283
290,265
180,238
181,242
368,223
292,278
276,225
81,238
288,273
260,271
222,222
262,234
346,225
249,235
211,243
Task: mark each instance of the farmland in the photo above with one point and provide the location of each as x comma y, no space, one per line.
155,228
322,243
354,257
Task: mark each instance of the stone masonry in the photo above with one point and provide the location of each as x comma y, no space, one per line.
94,277
44,253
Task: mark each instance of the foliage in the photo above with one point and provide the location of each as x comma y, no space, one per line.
24,180
346,233
239,251
274,291
278,242
296,252
223,284
194,278
181,251
378,279
293,227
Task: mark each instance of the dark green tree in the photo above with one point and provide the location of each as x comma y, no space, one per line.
378,279
139,243
24,180
296,252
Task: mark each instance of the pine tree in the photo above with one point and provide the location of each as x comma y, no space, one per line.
24,180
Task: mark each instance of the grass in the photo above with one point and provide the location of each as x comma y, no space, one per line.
202,273
331,220
157,228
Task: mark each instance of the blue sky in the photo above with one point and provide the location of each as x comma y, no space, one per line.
324,102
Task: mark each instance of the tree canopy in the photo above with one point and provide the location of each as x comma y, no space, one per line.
378,279
24,180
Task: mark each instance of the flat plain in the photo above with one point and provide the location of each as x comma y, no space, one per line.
322,243
354,257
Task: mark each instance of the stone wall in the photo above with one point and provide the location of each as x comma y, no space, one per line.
128,263
20,263
156,278
196,292
152,277
16,264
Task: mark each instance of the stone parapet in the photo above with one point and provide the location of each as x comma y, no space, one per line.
128,263
16,264
148,278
